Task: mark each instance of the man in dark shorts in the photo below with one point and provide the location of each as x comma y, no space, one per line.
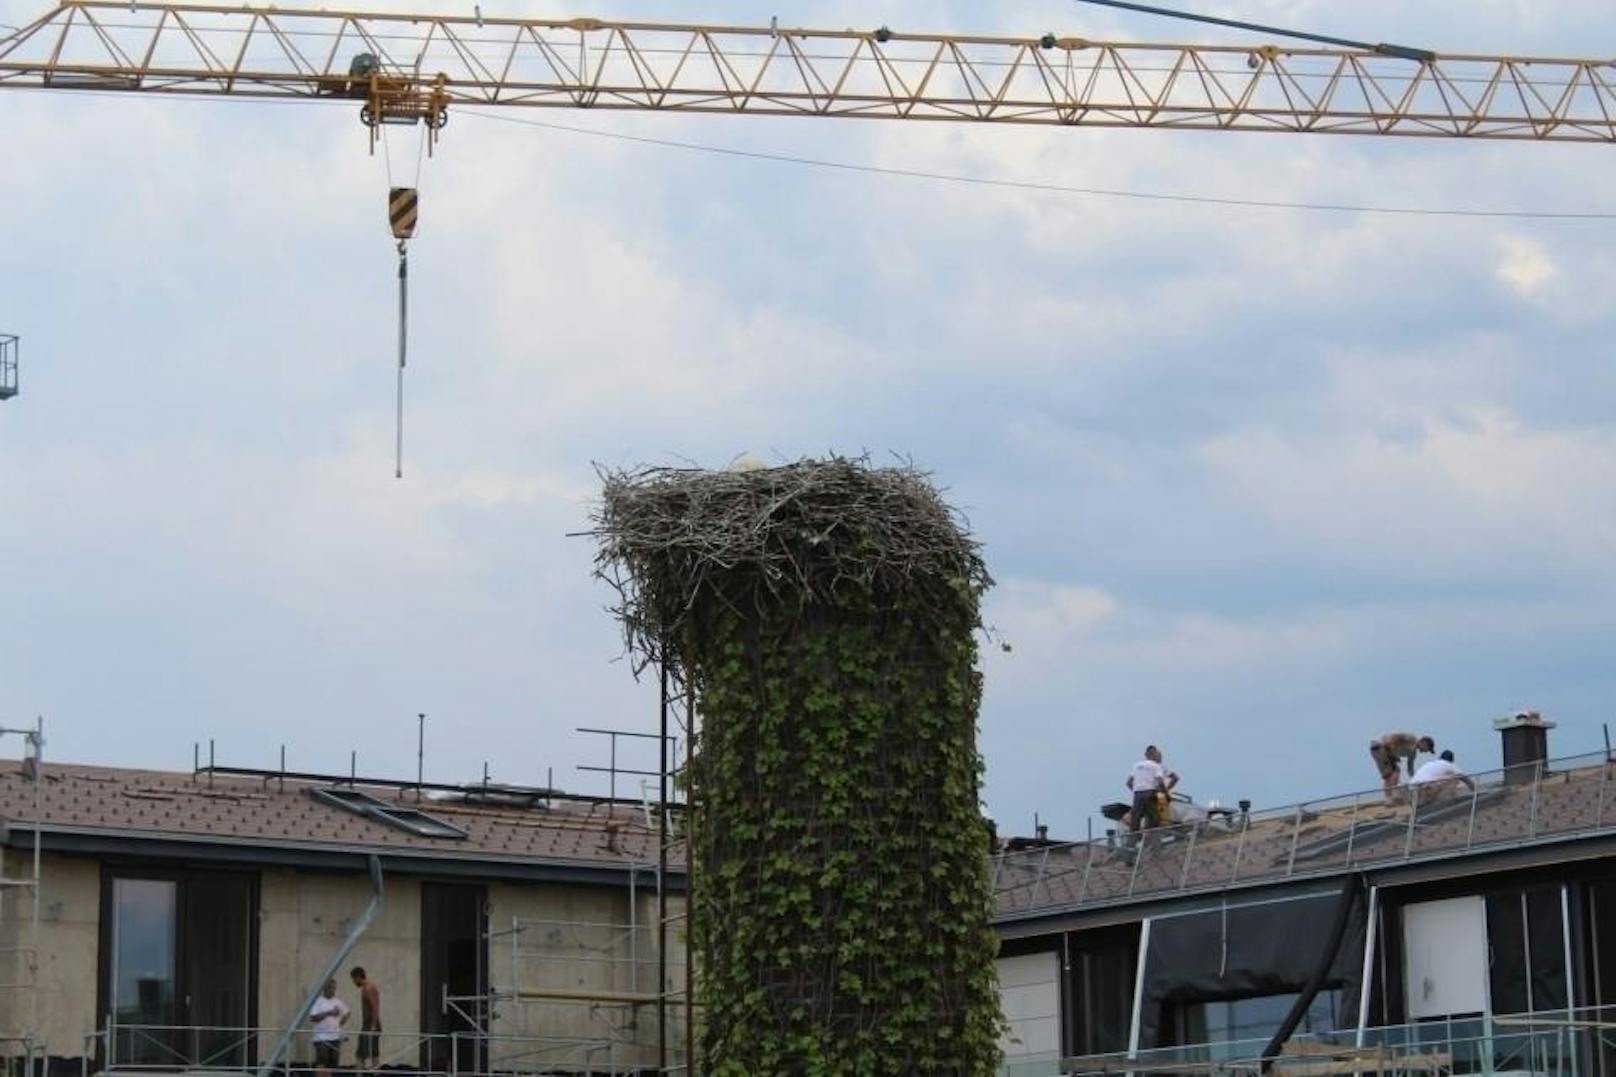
1389,751
328,1014
370,1019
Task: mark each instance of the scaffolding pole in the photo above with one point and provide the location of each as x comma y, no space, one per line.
21,984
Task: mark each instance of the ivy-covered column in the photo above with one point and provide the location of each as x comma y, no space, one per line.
825,613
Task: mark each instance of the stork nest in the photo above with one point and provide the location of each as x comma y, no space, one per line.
682,546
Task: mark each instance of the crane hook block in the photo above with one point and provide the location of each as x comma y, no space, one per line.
402,209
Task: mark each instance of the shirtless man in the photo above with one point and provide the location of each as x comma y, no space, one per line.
1389,749
370,1019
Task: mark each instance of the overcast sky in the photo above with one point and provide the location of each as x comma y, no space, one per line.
1256,484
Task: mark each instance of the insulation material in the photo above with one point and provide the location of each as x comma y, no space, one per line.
1445,957
1029,995
1245,951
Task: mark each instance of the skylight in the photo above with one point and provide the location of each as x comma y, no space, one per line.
410,820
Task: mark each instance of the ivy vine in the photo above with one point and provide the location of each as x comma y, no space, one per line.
826,615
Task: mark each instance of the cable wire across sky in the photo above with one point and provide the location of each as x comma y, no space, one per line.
1050,188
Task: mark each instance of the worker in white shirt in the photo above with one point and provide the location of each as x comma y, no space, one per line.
1146,780
328,1015
1438,778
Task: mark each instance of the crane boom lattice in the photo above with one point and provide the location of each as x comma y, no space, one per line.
410,68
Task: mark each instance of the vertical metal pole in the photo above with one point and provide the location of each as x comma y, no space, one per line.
1537,785
1413,815
1296,840
283,769
633,931
1138,855
403,323
1189,857
353,767
1352,830
1240,846
1139,988
690,891
1475,797
662,879
420,754
38,739
1570,972
1371,931
210,762
1088,866
1604,780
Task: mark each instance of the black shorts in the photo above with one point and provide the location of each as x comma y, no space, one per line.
370,1044
328,1054
1146,811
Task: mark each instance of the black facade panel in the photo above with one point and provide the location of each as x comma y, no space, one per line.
1246,951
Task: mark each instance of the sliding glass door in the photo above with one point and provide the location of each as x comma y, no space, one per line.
177,966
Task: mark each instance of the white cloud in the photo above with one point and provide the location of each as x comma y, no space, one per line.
1483,496
1524,265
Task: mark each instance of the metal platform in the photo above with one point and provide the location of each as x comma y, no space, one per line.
9,347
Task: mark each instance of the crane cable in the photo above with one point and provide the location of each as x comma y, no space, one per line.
403,212
1038,187
1402,52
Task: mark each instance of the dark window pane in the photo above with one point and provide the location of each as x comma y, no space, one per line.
1227,1021
143,946
1506,953
1103,964
1545,932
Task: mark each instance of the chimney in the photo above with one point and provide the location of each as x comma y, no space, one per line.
1526,745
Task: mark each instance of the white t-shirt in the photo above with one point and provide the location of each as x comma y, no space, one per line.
1435,771
1148,775
327,1015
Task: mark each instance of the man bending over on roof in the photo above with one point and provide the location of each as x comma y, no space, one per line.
1438,778
1388,749
1147,779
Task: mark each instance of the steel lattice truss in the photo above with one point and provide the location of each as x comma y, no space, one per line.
426,64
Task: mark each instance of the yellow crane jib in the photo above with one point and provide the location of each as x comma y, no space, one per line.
413,67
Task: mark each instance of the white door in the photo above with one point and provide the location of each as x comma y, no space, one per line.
1029,993
1445,958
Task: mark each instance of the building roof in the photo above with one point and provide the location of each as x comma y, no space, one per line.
258,814
1569,800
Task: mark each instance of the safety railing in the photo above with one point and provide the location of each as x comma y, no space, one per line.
166,1048
1214,848
1560,1042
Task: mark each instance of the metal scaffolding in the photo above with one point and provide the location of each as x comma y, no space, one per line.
19,954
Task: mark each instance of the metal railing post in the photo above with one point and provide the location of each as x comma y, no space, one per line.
1475,797
1240,845
1604,780
1043,866
1138,855
1537,785
1189,857
1296,841
1413,817
1088,866
1352,829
